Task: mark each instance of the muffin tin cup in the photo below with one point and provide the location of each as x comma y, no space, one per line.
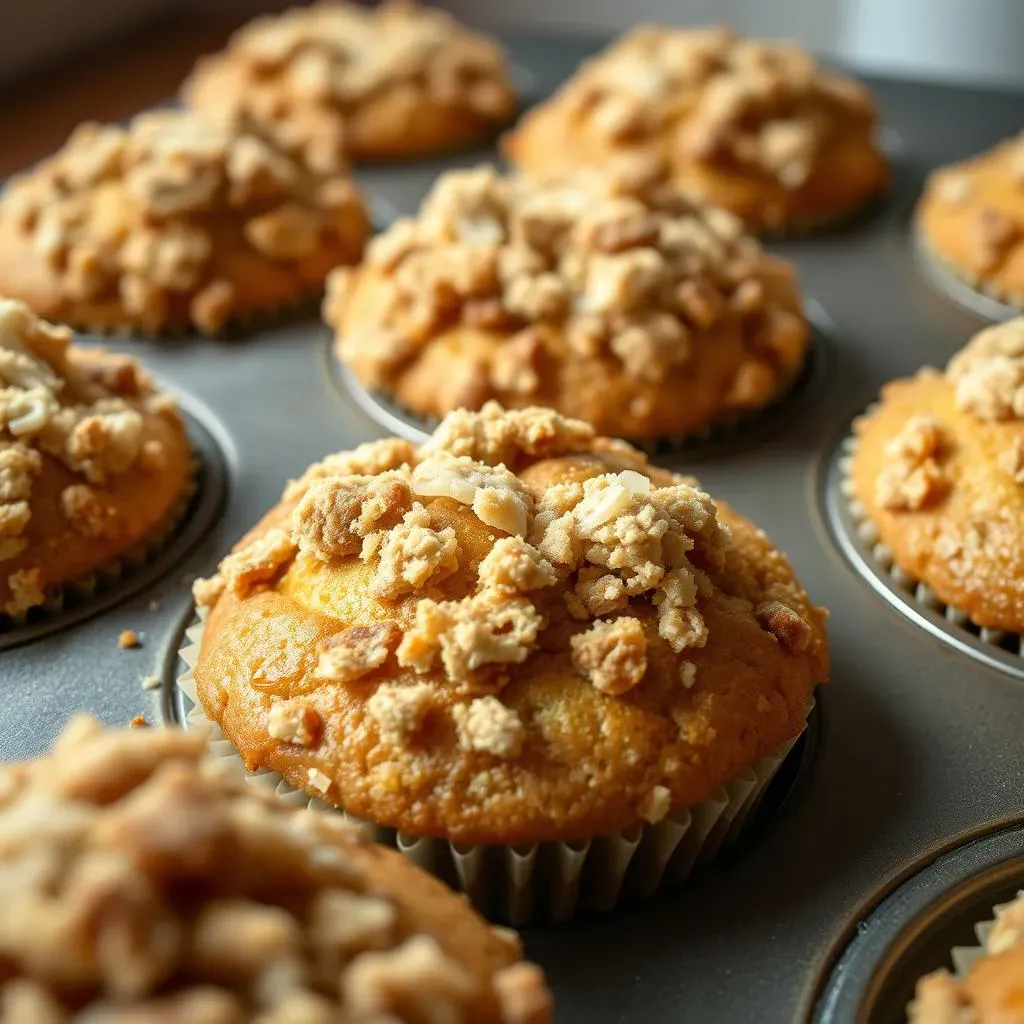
914,589
550,881
78,592
964,957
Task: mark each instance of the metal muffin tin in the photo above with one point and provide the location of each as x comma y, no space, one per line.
917,748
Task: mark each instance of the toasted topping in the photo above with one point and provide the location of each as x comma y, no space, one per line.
261,561
1011,461
485,724
596,266
400,711
784,624
656,805
369,459
411,556
762,107
26,592
294,721
912,477
130,214
220,903
352,653
206,592
305,74
612,654
988,373
514,565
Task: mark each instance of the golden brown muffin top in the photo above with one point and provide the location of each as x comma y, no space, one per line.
475,608
307,74
142,883
84,410
615,265
939,469
972,217
142,214
991,990
765,108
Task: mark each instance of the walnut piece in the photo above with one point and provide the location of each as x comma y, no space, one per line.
789,628
911,477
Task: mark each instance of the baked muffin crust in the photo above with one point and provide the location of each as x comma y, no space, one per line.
971,218
992,990
519,632
337,80
171,222
607,297
92,458
752,126
142,883
939,470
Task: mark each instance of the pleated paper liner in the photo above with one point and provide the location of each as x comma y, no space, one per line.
880,558
724,434
970,293
964,957
544,881
79,593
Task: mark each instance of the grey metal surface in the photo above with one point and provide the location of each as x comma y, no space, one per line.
919,745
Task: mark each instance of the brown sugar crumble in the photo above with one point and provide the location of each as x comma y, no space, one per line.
912,476
988,373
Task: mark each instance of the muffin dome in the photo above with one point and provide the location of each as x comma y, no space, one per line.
517,633
971,219
754,127
990,991
93,460
939,470
338,80
143,884
606,297
171,222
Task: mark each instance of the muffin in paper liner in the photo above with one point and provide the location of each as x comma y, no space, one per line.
552,881
983,984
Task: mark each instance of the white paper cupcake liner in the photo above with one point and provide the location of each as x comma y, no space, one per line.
881,558
548,881
105,577
964,957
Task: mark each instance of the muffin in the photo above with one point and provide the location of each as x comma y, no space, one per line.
754,127
142,883
938,471
94,461
517,634
970,220
172,222
337,80
991,989
607,297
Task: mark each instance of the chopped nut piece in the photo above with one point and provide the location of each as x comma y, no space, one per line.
400,711
352,653
791,631
612,654
294,721
318,780
487,725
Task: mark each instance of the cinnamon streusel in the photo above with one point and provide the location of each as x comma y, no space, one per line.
519,632
755,127
337,80
171,222
606,296
143,883
971,220
93,460
939,471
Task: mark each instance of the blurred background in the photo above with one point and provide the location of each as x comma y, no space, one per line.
107,58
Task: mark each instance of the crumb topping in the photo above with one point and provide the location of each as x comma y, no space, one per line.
599,266
763,107
486,724
357,650
220,903
412,555
401,711
85,409
1011,461
656,805
988,373
612,654
294,721
303,74
784,624
912,476
131,214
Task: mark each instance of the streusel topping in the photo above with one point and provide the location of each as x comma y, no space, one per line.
83,408
132,214
143,881
616,266
763,107
989,373
912,476
622,561
308,69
